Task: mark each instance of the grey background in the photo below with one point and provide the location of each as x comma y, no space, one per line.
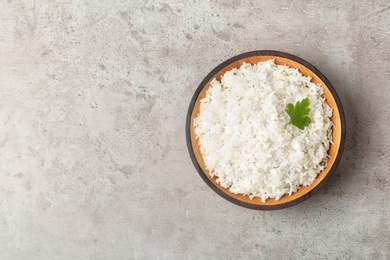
93,99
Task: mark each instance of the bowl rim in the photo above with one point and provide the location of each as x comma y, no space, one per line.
265,53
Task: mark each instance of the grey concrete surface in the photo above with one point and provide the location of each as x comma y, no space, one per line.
93,99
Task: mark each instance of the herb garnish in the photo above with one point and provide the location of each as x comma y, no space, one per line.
299,113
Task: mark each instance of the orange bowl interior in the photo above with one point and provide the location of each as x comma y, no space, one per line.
333,150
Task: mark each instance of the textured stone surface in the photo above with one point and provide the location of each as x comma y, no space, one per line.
93,99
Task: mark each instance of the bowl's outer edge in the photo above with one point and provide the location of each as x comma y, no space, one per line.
270,53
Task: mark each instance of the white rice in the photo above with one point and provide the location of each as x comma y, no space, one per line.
243,136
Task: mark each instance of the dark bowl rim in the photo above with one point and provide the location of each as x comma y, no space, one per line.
265,53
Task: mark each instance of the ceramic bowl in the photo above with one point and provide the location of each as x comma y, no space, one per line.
335,150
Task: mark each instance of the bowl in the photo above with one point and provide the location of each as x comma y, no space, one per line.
334,152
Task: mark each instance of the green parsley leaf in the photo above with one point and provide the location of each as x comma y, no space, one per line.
299,113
